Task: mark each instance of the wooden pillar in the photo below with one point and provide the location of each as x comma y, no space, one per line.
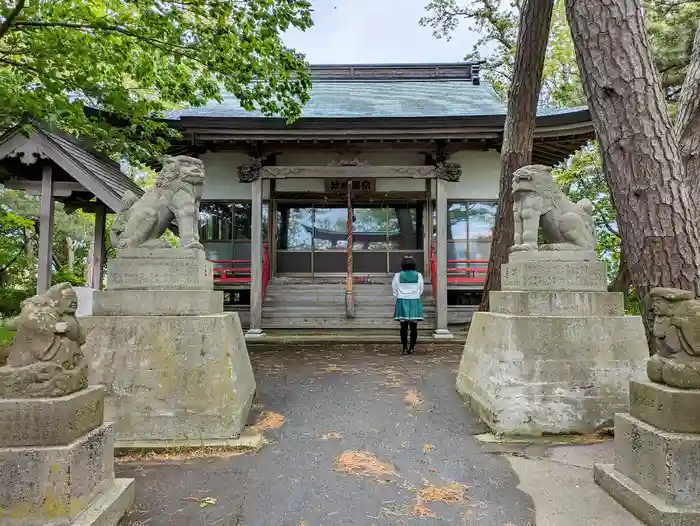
441,261
43,280
427,226
256,262
98,247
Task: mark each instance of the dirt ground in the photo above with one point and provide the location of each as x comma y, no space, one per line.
357,435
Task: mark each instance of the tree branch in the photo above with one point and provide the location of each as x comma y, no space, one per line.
168,47
19,65
5,26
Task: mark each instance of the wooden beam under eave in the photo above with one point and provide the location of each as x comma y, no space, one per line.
60,188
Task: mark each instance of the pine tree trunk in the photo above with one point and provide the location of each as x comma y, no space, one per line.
655,210
688,120
518,134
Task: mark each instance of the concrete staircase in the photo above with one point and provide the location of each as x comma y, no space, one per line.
303,304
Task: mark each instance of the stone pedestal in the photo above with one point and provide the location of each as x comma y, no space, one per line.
57,463
656,474
175,365
556,352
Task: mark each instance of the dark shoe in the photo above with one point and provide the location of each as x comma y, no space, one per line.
411,350
405,351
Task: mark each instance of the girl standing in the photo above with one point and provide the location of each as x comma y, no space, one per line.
407,286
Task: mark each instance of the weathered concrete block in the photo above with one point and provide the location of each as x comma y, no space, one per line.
54,485
528,375
50,421
557,303
554,275
668,408
164,269
553,255
647,507
158,302
172,378
665,464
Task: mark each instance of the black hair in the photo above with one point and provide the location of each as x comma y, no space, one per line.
408,263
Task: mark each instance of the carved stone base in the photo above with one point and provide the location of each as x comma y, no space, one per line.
157,302
62,485
172,378
50,421
552,275
656,474
531,375
41,380
160,269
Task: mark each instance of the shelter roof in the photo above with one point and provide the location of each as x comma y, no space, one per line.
23,147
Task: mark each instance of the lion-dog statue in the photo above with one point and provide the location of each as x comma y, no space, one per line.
676,332
539,201
175,196
45,357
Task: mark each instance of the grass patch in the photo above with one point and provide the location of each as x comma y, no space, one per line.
6,336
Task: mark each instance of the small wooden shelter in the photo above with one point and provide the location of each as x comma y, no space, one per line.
41,161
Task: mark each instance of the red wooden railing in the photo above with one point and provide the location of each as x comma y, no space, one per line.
233,275
433,272
466,275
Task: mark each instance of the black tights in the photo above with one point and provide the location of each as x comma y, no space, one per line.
404,334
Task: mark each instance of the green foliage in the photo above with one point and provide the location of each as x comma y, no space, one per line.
497,22
671,28
135,60
6,338
18,247
582,177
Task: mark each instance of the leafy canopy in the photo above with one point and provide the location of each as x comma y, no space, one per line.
136,58
671,26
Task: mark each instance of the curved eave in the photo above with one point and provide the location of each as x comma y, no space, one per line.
557,135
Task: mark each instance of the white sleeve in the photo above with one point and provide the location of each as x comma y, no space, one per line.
420,284
395,285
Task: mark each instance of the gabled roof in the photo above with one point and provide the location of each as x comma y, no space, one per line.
98,174
384,91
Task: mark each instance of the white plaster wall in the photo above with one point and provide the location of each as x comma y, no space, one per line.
221,181
480,173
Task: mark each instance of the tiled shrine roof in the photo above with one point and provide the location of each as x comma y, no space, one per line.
386,91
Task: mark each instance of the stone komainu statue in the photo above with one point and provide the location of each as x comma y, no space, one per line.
538,201
677,334
175,196
45,358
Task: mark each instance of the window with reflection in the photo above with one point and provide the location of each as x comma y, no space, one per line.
470,231
330,228
405,226
296,227
225,229
215,221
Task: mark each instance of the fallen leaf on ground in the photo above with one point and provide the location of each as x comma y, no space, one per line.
412,398
421,510
362,463
182,453
428,447
269,420
450,494
207,501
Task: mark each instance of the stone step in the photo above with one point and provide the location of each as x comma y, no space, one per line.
388,337
330,323
336,316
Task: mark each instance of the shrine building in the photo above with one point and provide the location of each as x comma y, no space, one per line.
419,147
397,159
